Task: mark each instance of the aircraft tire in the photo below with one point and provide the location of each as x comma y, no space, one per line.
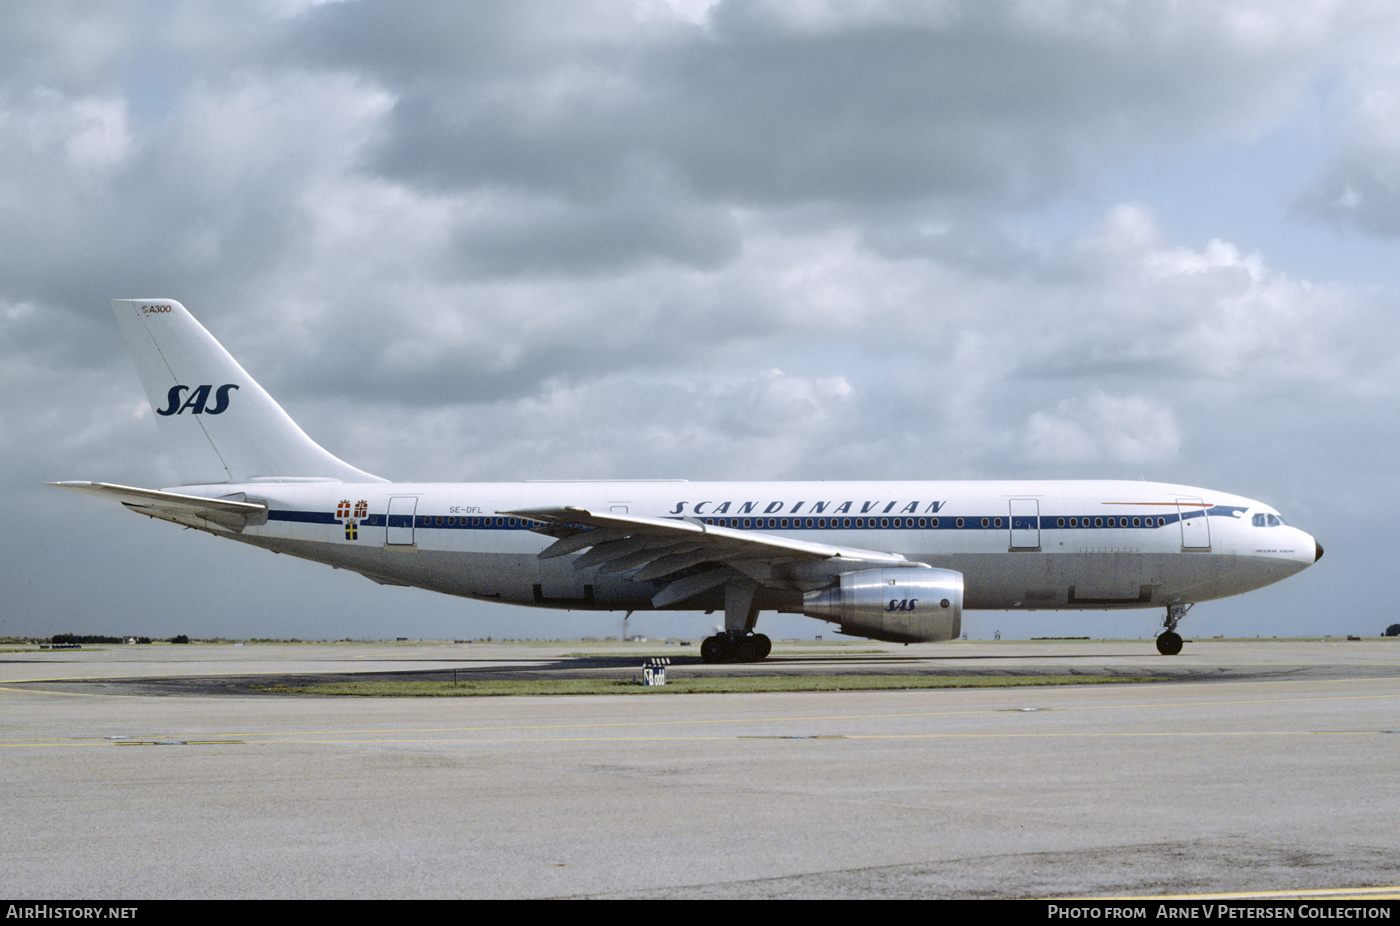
763,645
1169,644
713,649
746,650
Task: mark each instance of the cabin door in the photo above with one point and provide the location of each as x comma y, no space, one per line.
400,520
1195,526
1025,524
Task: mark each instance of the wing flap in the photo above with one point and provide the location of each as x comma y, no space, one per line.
690,586
672,562
579,539
605,551
645,557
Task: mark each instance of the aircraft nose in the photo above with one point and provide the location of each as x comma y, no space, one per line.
1319,551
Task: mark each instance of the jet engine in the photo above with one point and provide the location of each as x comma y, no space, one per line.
896,605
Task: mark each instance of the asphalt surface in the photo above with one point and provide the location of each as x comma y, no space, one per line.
1262,769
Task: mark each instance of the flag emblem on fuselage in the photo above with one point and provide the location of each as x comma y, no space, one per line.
352,517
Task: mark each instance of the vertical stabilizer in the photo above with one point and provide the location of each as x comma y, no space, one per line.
222,425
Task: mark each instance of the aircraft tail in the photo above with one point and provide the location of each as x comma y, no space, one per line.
223,426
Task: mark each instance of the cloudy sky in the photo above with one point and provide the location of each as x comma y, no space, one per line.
708,240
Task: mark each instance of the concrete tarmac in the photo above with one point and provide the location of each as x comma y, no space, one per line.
148,772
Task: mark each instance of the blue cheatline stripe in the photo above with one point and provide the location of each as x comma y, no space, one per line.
942,522
304,517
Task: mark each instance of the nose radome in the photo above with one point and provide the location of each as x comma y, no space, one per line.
1319,551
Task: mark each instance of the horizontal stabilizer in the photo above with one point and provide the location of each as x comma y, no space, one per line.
226,512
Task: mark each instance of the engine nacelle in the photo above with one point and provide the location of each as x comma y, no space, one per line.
897,605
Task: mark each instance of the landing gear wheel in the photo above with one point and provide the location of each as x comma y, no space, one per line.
722,647
714,649
1169,643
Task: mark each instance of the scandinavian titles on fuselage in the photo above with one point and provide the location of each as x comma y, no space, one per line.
699,509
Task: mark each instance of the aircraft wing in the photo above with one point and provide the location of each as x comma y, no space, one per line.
234,514
692,557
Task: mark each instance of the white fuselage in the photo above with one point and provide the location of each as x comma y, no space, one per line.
895,561
1019,545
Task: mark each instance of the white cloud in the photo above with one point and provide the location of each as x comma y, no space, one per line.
706,240
1360,188
1119,429
59,143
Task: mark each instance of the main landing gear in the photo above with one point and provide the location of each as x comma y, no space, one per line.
1169,641
737,642
736,647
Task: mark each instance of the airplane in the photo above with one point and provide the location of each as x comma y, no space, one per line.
893,561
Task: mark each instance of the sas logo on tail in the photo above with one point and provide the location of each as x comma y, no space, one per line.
198,400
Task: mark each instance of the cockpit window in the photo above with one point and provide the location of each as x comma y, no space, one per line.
1268,520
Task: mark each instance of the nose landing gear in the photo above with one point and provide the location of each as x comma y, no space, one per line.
1169,641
